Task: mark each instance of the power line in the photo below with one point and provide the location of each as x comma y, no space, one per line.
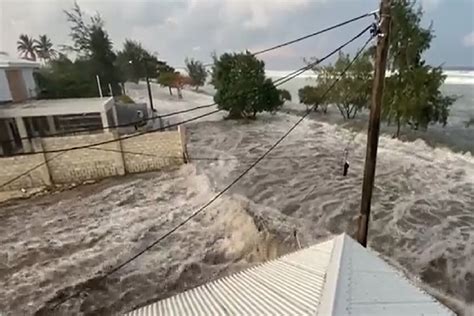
206,105
199,158
162,128
277,83
373,13
299,39
97,144
298,72
229,186
30,170
151,118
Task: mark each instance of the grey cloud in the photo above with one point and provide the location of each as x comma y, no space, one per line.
175,28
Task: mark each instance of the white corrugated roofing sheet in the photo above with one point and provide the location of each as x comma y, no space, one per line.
336,277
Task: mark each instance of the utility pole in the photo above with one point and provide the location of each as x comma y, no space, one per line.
149,91
374,120
144,63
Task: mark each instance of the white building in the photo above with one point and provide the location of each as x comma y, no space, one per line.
23,118
16,79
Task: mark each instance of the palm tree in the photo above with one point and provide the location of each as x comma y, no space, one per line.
26,47
44,48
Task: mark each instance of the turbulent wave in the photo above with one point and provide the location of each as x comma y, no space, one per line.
453,76
423,199
422,217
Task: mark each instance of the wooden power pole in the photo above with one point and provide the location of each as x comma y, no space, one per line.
374,120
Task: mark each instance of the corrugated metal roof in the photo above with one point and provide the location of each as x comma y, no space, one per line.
290,285
367,285
336,277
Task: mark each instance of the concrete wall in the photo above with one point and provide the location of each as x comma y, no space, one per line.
13,167
5,94
83,164
152,151
148,152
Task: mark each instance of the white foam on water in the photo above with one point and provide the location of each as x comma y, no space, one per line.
423,198
453,77
422,215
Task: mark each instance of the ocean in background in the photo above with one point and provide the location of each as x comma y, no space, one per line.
458,134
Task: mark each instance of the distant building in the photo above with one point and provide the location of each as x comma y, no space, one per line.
16,79
23,118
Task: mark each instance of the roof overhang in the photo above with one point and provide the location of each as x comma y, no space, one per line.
55,107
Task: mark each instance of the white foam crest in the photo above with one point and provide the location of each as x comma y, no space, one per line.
423,196
453,77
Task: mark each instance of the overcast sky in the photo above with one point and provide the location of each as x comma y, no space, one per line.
195,28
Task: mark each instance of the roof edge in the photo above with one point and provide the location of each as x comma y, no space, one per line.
328,298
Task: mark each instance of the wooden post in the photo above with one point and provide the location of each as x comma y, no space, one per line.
374,120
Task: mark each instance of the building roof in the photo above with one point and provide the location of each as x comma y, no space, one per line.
10,62
336,277
55,107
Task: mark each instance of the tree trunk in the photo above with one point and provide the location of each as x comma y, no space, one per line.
340,110
348,111
355,112
180,95
398,126
197,88
171,92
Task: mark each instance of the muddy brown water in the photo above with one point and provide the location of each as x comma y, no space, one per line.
56,245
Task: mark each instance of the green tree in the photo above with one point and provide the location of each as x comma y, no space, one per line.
314,97
44,48
63,78
130,60
196,71
92,43
135,62
103,59
413,95
171,80
80,30
350,94
241,86
285,95
26,47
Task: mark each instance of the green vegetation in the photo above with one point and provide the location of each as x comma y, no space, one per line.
61,77
136,63
284,95
44,48
241,86
197,72
352,92
26,47
412,92
173,80
313,97
412,96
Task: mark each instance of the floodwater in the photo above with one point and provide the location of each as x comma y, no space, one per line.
422,218
58,246
423,202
